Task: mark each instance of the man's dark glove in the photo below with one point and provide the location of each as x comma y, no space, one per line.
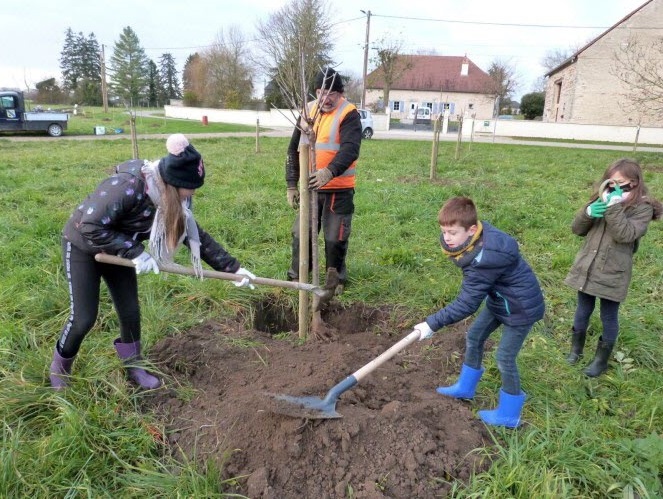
320,178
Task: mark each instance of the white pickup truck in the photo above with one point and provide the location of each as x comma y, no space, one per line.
14,117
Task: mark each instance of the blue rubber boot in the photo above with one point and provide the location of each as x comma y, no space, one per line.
507,412
466,384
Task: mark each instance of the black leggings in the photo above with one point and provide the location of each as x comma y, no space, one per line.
609,315
84,276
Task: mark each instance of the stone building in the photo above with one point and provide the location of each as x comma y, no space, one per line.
586,88
439,83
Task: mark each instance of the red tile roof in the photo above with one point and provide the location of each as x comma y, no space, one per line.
439,73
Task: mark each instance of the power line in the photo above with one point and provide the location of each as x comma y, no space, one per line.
519,25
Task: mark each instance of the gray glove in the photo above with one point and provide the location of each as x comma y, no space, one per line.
293,197
320,178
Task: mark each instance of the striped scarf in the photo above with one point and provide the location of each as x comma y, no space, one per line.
465,253
158,246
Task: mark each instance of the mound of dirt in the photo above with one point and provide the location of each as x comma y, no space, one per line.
397,437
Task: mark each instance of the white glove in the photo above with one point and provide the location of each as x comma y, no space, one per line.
246,282
145,263
424,329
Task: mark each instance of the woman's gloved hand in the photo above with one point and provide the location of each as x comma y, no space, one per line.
597,209
145,263
246,282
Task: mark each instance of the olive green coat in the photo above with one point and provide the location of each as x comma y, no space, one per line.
603,266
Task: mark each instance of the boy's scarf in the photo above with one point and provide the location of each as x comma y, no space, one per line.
158,246
465,253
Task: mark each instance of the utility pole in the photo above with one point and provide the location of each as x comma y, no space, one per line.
363,85
104,90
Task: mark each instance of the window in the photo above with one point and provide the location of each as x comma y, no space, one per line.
7,102
429,105
397,105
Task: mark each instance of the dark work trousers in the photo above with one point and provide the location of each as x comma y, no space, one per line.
335,211
84,276
609,312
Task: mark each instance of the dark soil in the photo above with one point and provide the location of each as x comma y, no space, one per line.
397,438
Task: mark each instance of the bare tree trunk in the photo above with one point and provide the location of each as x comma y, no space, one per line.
134,139
257,135
459,138
436,143
304,228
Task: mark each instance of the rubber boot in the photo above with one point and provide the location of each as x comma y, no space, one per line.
600,363
466,384
507,412
60,370
577,346
130,353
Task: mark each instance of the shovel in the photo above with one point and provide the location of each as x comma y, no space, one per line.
317,408
174,268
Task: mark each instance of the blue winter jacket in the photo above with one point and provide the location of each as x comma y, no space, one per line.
502,277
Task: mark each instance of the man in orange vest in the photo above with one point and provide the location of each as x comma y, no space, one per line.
337,129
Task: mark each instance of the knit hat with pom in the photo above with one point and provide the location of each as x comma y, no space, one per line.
183,167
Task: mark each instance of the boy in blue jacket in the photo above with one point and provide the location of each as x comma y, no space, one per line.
494,271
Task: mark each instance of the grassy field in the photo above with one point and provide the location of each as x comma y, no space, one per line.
117,118
582,438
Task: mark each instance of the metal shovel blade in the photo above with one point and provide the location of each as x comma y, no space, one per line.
317,408
312,407
303,407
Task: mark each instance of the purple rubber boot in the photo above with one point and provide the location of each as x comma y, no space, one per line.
60,370
130,353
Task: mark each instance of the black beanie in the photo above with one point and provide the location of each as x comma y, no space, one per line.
331,80
184,170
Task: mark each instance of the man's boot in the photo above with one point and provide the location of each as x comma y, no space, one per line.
60,370
600,363
130,354
577,346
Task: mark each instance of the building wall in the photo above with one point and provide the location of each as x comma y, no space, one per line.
481,104
590,93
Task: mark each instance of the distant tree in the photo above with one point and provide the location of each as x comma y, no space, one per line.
295,43
555,57
155,92
390,65
129,68
637,64
80,63
70,60
193,80
228,71
353,87
49,92
531,105
505,81
169,79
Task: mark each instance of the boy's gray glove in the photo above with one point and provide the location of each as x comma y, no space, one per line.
293,197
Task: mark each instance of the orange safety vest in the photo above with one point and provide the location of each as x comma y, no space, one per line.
328,143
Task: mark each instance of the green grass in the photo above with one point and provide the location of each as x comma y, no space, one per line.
87,118
582,437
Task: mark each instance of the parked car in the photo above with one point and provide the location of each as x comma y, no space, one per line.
366,123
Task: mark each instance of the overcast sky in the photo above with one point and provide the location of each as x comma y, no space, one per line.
519,32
